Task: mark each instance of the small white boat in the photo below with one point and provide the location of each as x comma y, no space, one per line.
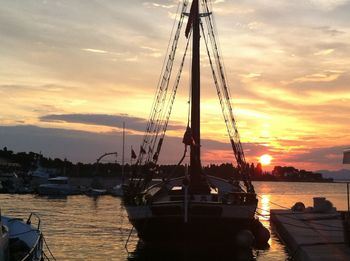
20,240
96,192
58,186
41,175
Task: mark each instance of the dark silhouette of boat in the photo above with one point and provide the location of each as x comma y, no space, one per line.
196,209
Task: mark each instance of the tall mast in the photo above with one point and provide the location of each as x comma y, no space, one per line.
123,152
195,163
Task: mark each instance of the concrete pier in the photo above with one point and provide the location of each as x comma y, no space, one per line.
311,236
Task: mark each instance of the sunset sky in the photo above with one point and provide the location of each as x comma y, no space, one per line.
72,71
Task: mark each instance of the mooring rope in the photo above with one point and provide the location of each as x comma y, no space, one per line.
48,248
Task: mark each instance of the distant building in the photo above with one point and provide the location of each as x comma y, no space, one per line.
7,163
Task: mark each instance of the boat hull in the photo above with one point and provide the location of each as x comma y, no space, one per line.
25,240
55,190
199,231
206,224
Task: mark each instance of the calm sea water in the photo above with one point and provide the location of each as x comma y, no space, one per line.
85,228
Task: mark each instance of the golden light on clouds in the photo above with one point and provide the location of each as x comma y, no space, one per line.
94,50
324,52
290,91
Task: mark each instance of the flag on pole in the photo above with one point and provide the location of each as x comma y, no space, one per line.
346,158
194,7
133,154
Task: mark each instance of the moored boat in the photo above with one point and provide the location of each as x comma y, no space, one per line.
58,186
96,192
196,209
41,175
20,240
168,215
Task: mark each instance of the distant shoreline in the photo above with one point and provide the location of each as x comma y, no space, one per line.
325,180
300,181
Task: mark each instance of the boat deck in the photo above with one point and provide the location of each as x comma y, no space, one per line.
311,236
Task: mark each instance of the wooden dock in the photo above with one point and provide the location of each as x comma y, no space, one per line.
311,236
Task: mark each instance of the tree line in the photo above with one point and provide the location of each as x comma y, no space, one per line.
23,162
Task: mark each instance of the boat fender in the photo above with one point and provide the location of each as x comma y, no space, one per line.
321,205
299,207
245,239
261,234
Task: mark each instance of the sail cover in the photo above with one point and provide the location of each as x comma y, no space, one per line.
346,158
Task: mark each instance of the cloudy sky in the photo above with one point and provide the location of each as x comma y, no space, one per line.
72,71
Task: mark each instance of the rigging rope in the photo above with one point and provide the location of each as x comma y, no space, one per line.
168,110
214,77
48,248
156,116
163,102
231,123
225,101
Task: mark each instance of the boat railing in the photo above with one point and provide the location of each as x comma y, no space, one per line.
29,220
239,198
35,252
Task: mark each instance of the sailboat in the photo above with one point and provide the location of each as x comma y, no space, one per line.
196,208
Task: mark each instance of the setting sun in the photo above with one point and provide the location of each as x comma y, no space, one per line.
265,159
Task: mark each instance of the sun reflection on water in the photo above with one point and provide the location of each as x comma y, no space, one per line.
263,211
276,250
264,208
